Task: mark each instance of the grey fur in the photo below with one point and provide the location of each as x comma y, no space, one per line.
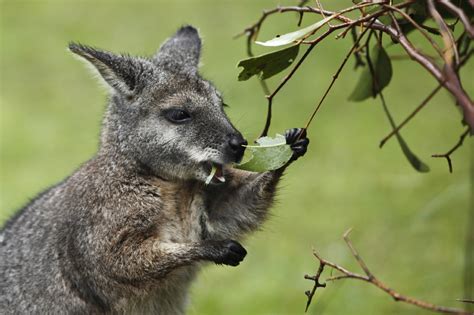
127,231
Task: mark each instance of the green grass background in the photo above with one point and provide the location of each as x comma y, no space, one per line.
409,227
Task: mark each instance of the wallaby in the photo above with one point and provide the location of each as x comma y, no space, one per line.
127,231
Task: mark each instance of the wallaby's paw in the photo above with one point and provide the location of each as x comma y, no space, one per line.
231,253
296,138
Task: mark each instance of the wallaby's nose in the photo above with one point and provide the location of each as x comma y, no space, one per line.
237,143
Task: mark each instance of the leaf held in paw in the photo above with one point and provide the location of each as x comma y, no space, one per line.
268,154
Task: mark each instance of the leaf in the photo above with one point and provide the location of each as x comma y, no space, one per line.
411,157
292,37
269,64
367,86
269,154
211,175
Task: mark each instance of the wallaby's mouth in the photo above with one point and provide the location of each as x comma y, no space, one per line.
216,175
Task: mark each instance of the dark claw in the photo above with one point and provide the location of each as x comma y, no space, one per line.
231,253
293,134
296,138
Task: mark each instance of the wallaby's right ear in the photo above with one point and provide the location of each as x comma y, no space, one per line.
122,73
181,51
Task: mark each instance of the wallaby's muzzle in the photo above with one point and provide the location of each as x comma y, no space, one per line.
237,145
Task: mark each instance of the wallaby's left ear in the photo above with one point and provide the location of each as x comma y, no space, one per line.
122,73
181,51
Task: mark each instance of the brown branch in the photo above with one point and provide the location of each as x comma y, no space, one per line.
450,50
447,155
417,26
446,76
465,301
369,277
317,285
460,13
413,114
282,83
463,61
336,75
451,83
313,43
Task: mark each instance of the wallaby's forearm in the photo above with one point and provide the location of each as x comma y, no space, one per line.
241,209
153,259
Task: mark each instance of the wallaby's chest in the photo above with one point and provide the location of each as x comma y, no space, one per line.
185,214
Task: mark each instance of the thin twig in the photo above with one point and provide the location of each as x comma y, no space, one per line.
452,84
282,83
413,114
450,51
417,26
317,285
447,155
369,277
464,59
460,13
336,75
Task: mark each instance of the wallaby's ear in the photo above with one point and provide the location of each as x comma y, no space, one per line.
181,51
122,73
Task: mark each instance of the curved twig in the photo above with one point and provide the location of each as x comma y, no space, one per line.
369,277
447,155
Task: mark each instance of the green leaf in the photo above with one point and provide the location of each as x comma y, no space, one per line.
367,86
292,37
269,154
411,157
269,64
418,8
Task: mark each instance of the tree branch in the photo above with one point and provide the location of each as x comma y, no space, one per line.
447,155
336,75
369,277
460,13
423,103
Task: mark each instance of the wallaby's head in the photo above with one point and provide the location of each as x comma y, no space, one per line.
162,113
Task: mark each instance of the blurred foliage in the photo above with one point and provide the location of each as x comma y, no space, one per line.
409,227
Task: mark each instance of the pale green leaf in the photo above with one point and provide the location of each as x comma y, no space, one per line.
268,154
211,175
292,37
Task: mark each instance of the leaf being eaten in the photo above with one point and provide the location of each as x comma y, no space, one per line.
269,154
211,175
268,65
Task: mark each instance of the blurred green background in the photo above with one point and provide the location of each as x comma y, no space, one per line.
409,227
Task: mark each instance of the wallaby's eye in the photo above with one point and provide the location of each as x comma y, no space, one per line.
177,115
